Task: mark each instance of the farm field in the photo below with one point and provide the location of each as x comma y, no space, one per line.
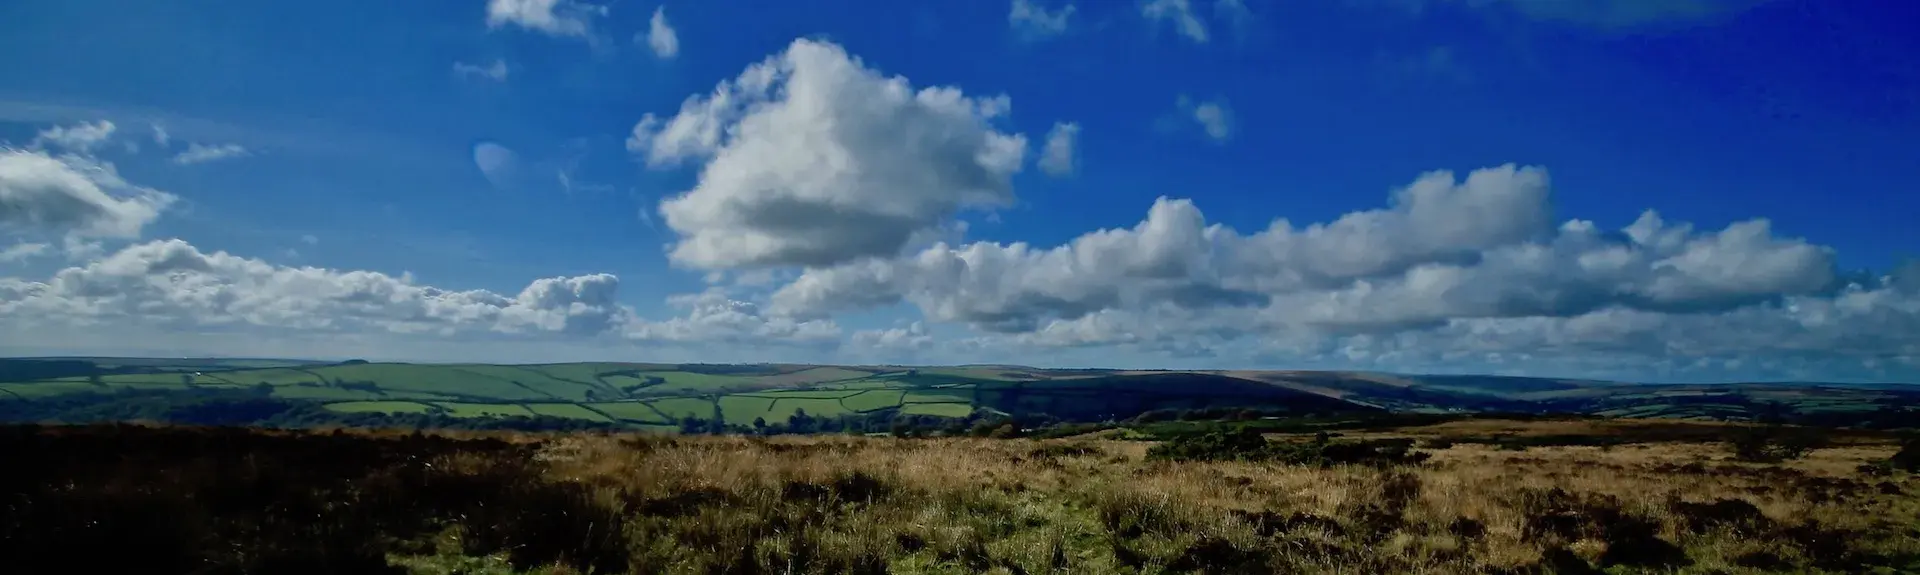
656,395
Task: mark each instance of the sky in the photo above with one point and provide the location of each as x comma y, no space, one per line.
1646,190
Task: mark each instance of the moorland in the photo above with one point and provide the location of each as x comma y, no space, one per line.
217,466
1422,499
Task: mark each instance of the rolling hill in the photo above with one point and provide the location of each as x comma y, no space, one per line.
664,396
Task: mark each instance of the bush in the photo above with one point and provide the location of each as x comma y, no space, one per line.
1246,444
1908,459
1774,444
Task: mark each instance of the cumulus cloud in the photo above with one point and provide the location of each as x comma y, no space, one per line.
23,251
72,195
912,337
1179,14
554,17
1057,158
202,153
811,158
1034,21
713,316
497,71
170,286
660,35
80,138
170,282
1475,259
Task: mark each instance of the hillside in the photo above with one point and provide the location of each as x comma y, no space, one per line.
710,396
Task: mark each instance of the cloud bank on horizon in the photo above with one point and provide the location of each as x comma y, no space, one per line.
820,191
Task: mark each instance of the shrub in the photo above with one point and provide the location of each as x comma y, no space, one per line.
1774,444
1908,459
1246,444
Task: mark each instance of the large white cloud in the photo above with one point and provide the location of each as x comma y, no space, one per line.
1174,256
1452,268
713,316
812,158
72,195
81,138
555,17
172,282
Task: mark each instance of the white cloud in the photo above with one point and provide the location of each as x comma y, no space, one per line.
497,71
202,153
72,195
309,239
1214,117
555,17
912,337
170,282
1057,157
712,316
1033,20
1179,14
23,251
660,35
812,158
1452,271
80,138
160,136
171,287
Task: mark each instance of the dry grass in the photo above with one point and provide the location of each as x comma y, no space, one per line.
1473,509
708,505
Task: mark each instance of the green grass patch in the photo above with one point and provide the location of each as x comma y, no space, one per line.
484,409
380,407
876,382
938,409
799,394
632,411
681,381
45,389
535,380
873,400
567,410
678,407
442,379
324,393
741,410
277,376
785,408
943,395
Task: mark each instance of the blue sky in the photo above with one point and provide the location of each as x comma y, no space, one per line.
862,189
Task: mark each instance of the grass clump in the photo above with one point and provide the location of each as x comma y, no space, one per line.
1246,444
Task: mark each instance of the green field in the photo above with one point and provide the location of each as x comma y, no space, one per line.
655,394
938,409
381,407
568,410
630,411
484,409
